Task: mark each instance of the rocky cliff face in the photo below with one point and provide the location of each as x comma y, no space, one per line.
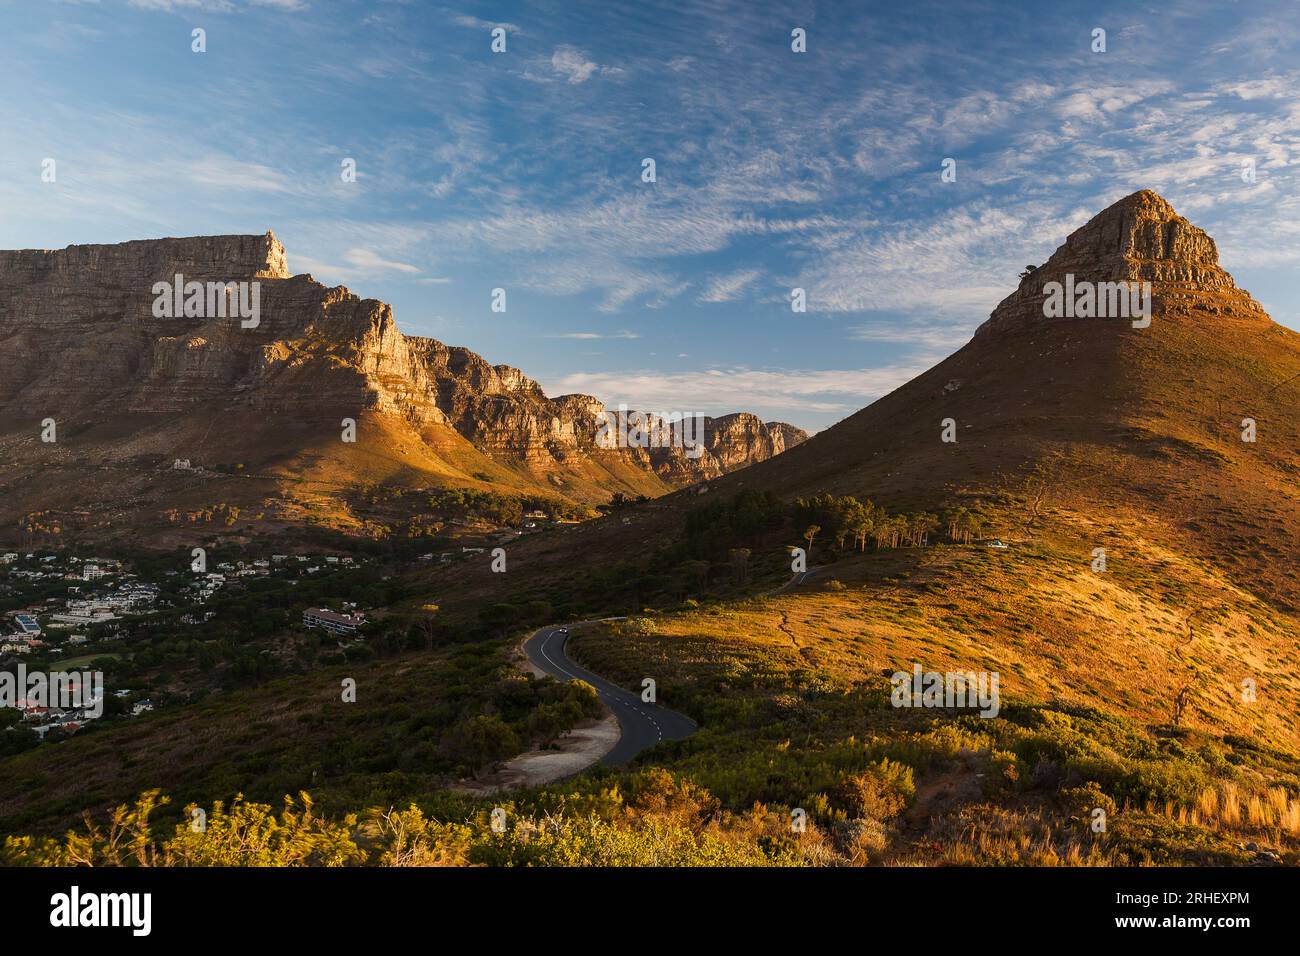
81,341
77,326
785,436
730,442
1138,239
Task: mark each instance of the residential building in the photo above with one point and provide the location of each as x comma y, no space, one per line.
331,621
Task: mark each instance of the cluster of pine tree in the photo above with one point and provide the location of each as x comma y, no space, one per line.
846,519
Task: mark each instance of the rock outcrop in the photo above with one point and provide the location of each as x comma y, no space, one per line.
730,442
1138,239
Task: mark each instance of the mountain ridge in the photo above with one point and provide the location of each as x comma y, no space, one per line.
80,344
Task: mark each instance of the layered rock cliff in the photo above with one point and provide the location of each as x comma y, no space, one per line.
1138,239
82,341
729,442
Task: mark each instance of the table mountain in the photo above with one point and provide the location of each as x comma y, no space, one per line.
261,407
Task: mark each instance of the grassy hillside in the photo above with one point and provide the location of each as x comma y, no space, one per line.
792,696
791,690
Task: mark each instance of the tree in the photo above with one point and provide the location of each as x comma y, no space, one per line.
809,534
499,616
920,526
863,522
427,625
955,518
15,739
553,720
540,610
697,571
891,532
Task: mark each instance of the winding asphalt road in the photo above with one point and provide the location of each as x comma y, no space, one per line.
643,725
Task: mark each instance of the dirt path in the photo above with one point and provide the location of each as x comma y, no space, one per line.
785,626
577,750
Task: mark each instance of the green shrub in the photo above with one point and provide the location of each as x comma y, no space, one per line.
882,791
1080,802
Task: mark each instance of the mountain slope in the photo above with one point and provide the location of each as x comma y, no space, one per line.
1073,435
263,409
1147,420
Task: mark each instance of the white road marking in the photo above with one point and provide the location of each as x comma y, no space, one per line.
546,640
613,692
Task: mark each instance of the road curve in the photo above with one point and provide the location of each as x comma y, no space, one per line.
798,578
643,725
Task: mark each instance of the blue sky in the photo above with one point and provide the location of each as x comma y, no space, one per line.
523,169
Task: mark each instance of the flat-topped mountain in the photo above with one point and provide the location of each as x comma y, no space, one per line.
135,373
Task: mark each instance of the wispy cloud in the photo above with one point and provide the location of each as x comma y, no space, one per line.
291,6
596,335
170,6
225,172
570,65
717,391
355,264
729,287
573,65
465,20
939,338
774,170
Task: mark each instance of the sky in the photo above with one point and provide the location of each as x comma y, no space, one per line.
774,169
